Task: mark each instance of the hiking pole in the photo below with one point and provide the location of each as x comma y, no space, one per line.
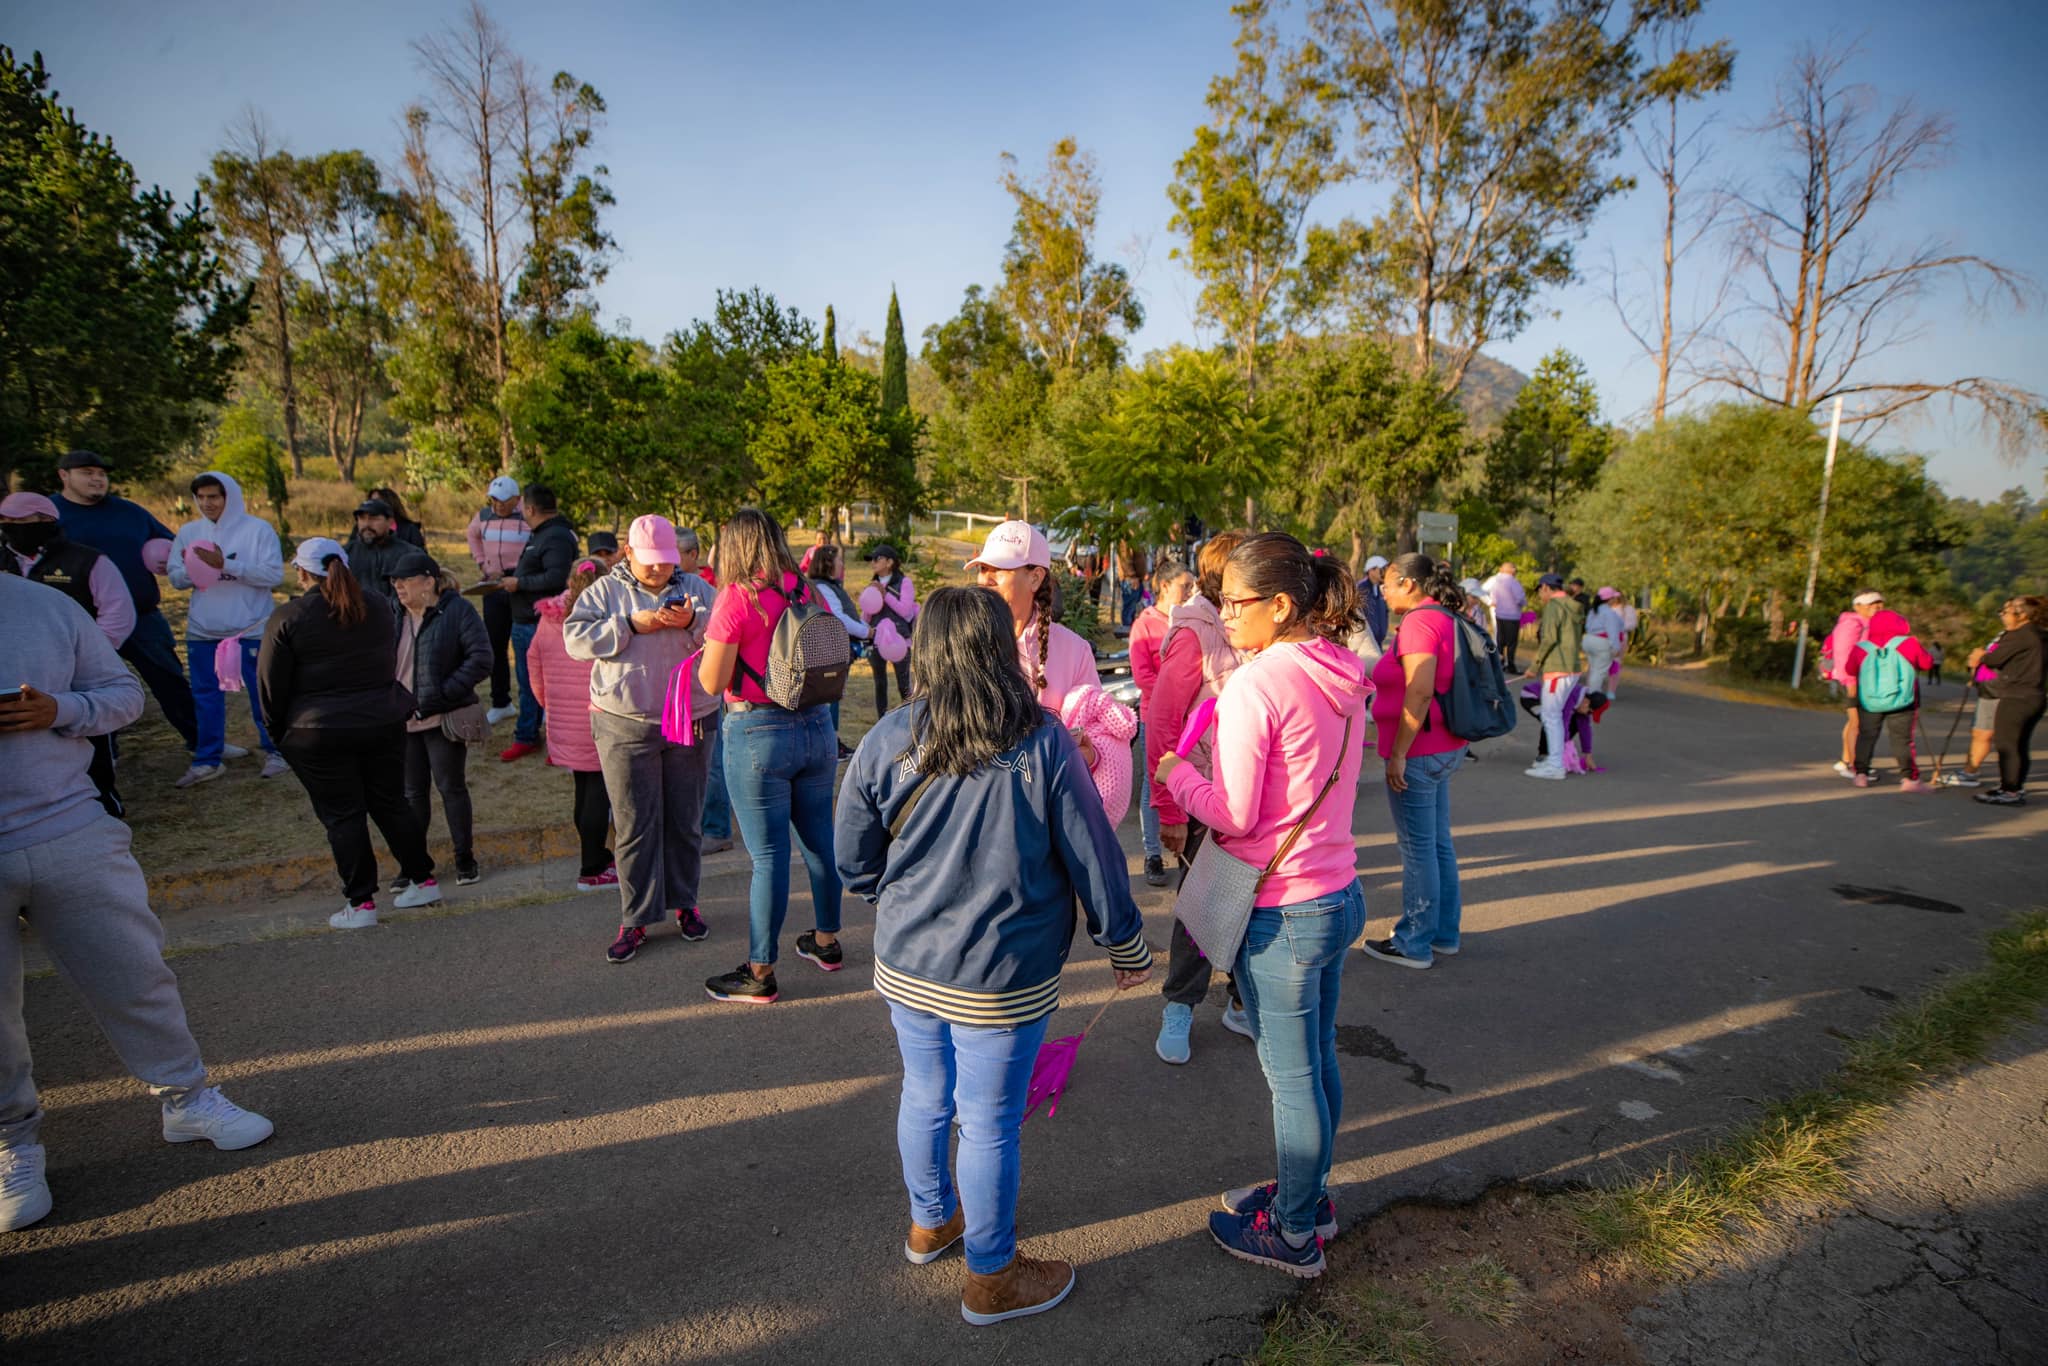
1968,688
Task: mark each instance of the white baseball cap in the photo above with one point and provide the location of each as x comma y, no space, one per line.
1013,545
1867,598
503,487
315,551
1375,562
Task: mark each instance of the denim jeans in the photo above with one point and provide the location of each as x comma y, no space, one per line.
981,1076
779,768
1430,901
1148,814
210,704
154,653
1290,970
526,730
717,806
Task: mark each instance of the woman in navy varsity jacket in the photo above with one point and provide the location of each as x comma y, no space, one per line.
969,819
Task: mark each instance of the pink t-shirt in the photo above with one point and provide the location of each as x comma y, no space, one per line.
740,618
1420,633
1069,664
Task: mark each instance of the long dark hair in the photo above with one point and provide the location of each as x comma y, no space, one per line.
1433,576
344,595
824,559
389,498
1273,562
973,702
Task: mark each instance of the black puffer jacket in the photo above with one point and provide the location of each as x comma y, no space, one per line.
452,655
372,562
543,567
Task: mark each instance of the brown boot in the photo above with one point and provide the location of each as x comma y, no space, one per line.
928,1244
1026,1286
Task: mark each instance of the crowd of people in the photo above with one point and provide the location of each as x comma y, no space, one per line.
973,816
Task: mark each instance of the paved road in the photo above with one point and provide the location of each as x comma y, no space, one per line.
494,1146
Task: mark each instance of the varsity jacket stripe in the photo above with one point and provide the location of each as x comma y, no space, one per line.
956,1005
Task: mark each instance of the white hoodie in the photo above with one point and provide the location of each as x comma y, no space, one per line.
253,565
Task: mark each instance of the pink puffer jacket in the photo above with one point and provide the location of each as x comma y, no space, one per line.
561,685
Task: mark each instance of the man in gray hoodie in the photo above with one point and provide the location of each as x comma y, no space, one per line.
65,864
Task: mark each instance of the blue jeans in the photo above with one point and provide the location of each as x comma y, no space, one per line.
779,768
154,653
1148,814
1430,903
210,704
982,1076
526,730
717,806
1290,970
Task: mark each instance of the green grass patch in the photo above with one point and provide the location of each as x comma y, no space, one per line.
1797,1149
1481,1290
1349,1327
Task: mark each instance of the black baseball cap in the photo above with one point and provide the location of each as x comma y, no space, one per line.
602,541
414,564
81,460
1551,581
373,507
885,549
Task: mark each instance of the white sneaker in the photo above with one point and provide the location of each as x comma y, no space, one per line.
351,917
198,773
274,765
1236,1021
24,1193
1960,777
497,714
1846,770
1553,772
424,893
208,1114
233,752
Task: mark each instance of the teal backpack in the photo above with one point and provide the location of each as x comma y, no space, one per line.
1884,682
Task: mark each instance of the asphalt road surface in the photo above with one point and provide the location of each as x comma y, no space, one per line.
494,1146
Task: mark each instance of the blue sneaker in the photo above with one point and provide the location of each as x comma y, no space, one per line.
1246,1199
1174,1025
1255,1237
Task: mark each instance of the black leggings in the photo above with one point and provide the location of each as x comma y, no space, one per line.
1900,724
881,668
593,824
2012,735
433,761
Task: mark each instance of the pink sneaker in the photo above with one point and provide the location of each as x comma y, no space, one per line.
1914,785
606,879
1863,780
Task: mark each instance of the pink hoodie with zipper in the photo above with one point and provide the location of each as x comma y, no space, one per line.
1279,733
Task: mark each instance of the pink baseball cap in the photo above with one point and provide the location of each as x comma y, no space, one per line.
27,505
1014,545
652,540
1608,594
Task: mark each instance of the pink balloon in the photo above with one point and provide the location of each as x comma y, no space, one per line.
889,642
870,600
156,555
202,574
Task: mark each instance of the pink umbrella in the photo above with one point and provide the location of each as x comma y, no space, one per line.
1055,1062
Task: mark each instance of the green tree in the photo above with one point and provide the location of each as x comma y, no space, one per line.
254,189
895,362
567,250
986,435
830,347
1721,504
593,418
1242,192
1183,435
1074,310
1551,444
818,438
341,320
118,313
1371,441
1493,124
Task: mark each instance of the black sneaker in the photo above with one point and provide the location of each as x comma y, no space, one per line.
1999,797
399,884
1384,950
1155,871
468,874
845,751
741,985
830,956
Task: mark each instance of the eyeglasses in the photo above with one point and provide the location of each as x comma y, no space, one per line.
1235,606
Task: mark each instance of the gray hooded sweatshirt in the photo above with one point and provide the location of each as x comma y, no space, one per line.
630,671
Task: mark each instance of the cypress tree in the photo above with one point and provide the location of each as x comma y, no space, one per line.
895,363
831,347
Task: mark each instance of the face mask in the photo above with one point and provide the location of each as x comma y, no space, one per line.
32,538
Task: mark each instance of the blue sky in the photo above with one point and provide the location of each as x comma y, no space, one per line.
827,151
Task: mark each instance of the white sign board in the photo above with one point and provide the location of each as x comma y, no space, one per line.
1436,528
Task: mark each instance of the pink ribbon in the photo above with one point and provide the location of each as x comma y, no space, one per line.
1198,723
678,722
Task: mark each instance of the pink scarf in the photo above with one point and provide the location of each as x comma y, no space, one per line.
678,721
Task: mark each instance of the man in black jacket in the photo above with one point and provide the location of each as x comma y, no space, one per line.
375,547
543,571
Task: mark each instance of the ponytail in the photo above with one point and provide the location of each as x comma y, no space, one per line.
1273,563
344,595
1041,605
1433,577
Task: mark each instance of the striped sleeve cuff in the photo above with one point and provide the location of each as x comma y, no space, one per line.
1130,956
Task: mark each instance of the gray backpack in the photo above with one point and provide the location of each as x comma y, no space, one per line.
809,656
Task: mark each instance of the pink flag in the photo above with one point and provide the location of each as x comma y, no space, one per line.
678,723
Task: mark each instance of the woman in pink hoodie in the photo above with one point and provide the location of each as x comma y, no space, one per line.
1895,634
1289,732
570,744
1847,635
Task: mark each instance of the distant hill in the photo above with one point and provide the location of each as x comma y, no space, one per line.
1489,391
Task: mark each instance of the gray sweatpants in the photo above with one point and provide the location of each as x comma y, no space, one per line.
657,791
84,896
